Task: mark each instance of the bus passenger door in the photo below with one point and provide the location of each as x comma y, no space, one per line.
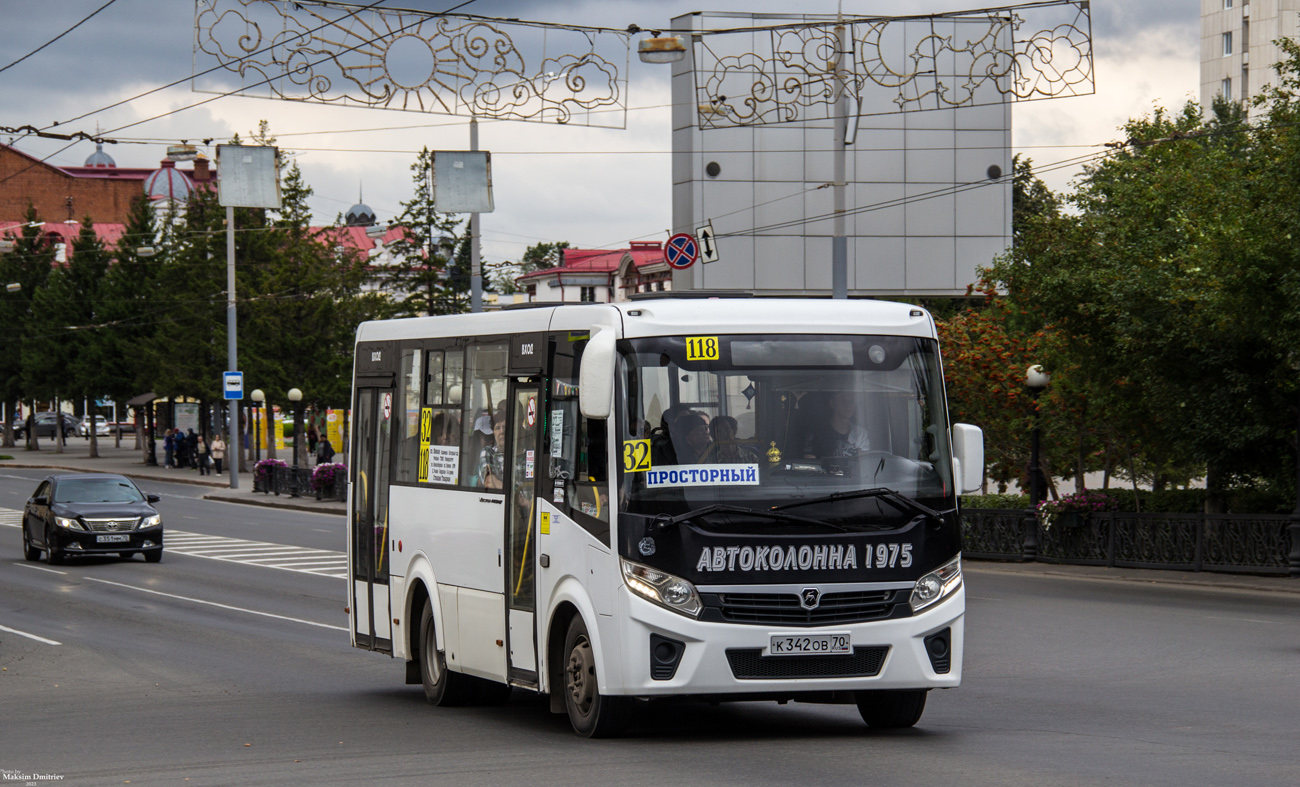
523,426
371,619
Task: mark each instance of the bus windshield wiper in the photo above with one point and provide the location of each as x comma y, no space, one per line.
664,523
898,500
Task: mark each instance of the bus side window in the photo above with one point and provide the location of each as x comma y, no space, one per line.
579,457
408,405
484,397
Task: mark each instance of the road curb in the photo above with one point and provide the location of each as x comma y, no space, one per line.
1280,585
253,501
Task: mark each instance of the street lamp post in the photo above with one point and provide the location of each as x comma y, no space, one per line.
1293,559
1035,381
258,397
295,396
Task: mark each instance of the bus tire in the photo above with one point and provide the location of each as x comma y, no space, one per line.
592,714
442,687
895,709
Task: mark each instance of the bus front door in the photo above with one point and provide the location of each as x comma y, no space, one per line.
371,626
524,425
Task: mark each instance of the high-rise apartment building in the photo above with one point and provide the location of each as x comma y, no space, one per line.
1237,45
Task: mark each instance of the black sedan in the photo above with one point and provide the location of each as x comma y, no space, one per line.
91,514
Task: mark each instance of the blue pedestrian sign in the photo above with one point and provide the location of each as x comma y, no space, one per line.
233,383
681,251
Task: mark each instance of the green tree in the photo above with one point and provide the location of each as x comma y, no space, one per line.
421,280
28,266
539,256
1172,290
89,371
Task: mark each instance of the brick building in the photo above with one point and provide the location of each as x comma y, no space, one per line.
100,189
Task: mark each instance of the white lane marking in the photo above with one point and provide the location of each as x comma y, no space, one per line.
236,550
215,604
40,568
38,639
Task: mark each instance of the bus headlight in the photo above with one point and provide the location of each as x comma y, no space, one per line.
662,588
937,585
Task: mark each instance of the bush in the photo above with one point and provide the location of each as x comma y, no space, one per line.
995,501
1086,502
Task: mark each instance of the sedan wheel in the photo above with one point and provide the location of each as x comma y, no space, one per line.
53,555
153,556
29,552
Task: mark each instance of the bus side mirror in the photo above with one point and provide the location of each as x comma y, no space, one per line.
596,375
968,456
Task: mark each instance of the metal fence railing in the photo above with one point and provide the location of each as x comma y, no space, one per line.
296,482
1231,543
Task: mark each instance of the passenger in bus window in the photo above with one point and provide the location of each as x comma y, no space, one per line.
835,434
492,459
726,449
661,440
691,437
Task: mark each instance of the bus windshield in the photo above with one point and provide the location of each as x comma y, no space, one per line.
772,421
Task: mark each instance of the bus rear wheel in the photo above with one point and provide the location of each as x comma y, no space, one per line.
442,687
891,709
592,714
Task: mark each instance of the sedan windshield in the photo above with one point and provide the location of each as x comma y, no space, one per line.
766,421
97,490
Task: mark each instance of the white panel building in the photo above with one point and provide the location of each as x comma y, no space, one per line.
1237,49
928,191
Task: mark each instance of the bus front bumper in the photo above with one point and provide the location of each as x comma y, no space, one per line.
729,658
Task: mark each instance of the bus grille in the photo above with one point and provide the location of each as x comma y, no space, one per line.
751,664
783,609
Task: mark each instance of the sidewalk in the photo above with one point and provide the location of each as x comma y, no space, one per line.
129,462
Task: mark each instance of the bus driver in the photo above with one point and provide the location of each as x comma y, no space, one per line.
836,434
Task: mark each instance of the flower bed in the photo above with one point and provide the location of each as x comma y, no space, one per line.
329,476
1075,508
262,473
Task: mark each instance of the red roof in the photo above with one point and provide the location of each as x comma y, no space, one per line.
66,233
602,260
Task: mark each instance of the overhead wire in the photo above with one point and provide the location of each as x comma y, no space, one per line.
86,19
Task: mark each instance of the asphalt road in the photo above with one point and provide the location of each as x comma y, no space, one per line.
200,671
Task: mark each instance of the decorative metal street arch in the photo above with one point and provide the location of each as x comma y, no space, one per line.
342,54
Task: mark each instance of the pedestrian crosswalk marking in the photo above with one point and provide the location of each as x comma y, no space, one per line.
320,562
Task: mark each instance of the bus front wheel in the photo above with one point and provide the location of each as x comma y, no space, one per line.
441,686
592,714
891,709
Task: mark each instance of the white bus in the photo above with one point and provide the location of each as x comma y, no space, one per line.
731,499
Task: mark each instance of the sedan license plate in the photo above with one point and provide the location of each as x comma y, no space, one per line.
122,539
808,644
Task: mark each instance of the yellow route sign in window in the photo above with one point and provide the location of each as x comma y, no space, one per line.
702,348
636,456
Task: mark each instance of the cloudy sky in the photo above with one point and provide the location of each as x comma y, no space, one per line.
594,187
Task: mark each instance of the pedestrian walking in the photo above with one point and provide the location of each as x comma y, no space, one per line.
169,448
181,449
218,450
192,449
205,460
312,438
326,452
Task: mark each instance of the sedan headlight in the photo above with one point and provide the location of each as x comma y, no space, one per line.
662,588
71,524
151,521
937,585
